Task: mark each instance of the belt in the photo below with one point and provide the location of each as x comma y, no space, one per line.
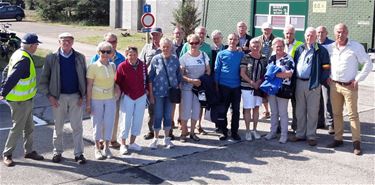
105,91
342,83
304,79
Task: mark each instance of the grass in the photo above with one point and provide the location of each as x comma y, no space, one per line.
136,39
38,57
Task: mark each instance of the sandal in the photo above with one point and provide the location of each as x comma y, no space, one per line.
201,131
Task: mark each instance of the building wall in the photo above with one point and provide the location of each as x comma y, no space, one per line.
163,12
358,16
224,15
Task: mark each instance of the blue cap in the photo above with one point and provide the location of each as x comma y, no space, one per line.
156,30
30,38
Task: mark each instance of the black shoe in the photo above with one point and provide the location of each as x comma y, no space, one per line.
35,156
217,130
223,137
236,137
172,137
8,161
81,159
56,158
335,143
149,135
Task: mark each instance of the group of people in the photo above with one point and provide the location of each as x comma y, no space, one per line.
317,74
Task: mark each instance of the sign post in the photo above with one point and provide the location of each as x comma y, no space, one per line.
147,20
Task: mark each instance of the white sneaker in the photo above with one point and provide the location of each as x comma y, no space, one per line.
283,139
98,154
255,134
108,153
123,150
154,144
270,136
248,136
135,147
168,143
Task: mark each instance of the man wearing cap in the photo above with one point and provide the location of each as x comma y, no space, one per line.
147,53
63,81
117,58
266,42
19,88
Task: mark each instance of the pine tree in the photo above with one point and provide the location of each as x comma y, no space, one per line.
186,16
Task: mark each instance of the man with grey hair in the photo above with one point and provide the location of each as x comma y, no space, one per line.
312,69
245,38
18,88
63,81
291,45
325,110
346,55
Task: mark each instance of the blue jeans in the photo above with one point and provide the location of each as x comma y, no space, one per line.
162,111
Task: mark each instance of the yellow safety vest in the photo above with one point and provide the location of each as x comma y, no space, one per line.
298,43
25,89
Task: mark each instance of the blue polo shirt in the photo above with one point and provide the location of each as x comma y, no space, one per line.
227,68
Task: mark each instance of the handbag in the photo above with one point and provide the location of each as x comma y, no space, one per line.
286,91
174,93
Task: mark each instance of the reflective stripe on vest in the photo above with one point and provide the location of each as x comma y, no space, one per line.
298,43
25,89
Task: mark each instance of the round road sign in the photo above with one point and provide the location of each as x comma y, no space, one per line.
147,20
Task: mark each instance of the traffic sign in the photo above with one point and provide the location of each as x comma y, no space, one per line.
146,8
147,20
146,30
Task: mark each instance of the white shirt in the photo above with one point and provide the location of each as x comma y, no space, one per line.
344,62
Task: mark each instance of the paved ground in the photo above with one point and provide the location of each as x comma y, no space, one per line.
208,161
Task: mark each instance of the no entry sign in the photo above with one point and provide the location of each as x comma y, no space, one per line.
147,20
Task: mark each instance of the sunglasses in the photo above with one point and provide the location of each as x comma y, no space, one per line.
194,43
105,51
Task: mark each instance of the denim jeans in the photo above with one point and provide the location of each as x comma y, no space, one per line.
162,111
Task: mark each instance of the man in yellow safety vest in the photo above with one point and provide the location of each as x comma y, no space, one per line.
18,89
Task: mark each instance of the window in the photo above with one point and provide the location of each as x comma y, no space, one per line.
340,3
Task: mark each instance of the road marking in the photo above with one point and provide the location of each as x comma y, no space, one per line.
39,122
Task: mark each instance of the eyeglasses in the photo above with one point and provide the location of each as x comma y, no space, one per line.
194,43
105,51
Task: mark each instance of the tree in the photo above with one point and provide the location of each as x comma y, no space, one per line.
186,16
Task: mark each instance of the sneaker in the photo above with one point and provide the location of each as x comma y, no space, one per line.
194,137
149,135
135,147
80,159
56,158
108,153
123,150
35,156
236,137
248,136
255,134
8,161
98,154
283,139
270,136
154,144
168,143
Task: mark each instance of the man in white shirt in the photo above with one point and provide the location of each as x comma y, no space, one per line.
345,56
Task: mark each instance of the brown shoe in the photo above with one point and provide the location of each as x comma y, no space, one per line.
115,145
296,139
312,142
266,115
331,131
35,156
201,131
335,143
357,148
8,161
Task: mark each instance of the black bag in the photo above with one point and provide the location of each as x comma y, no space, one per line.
286,91
174,95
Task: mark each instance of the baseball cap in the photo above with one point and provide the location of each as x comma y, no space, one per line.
156,30
30,38
66,35
266,25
